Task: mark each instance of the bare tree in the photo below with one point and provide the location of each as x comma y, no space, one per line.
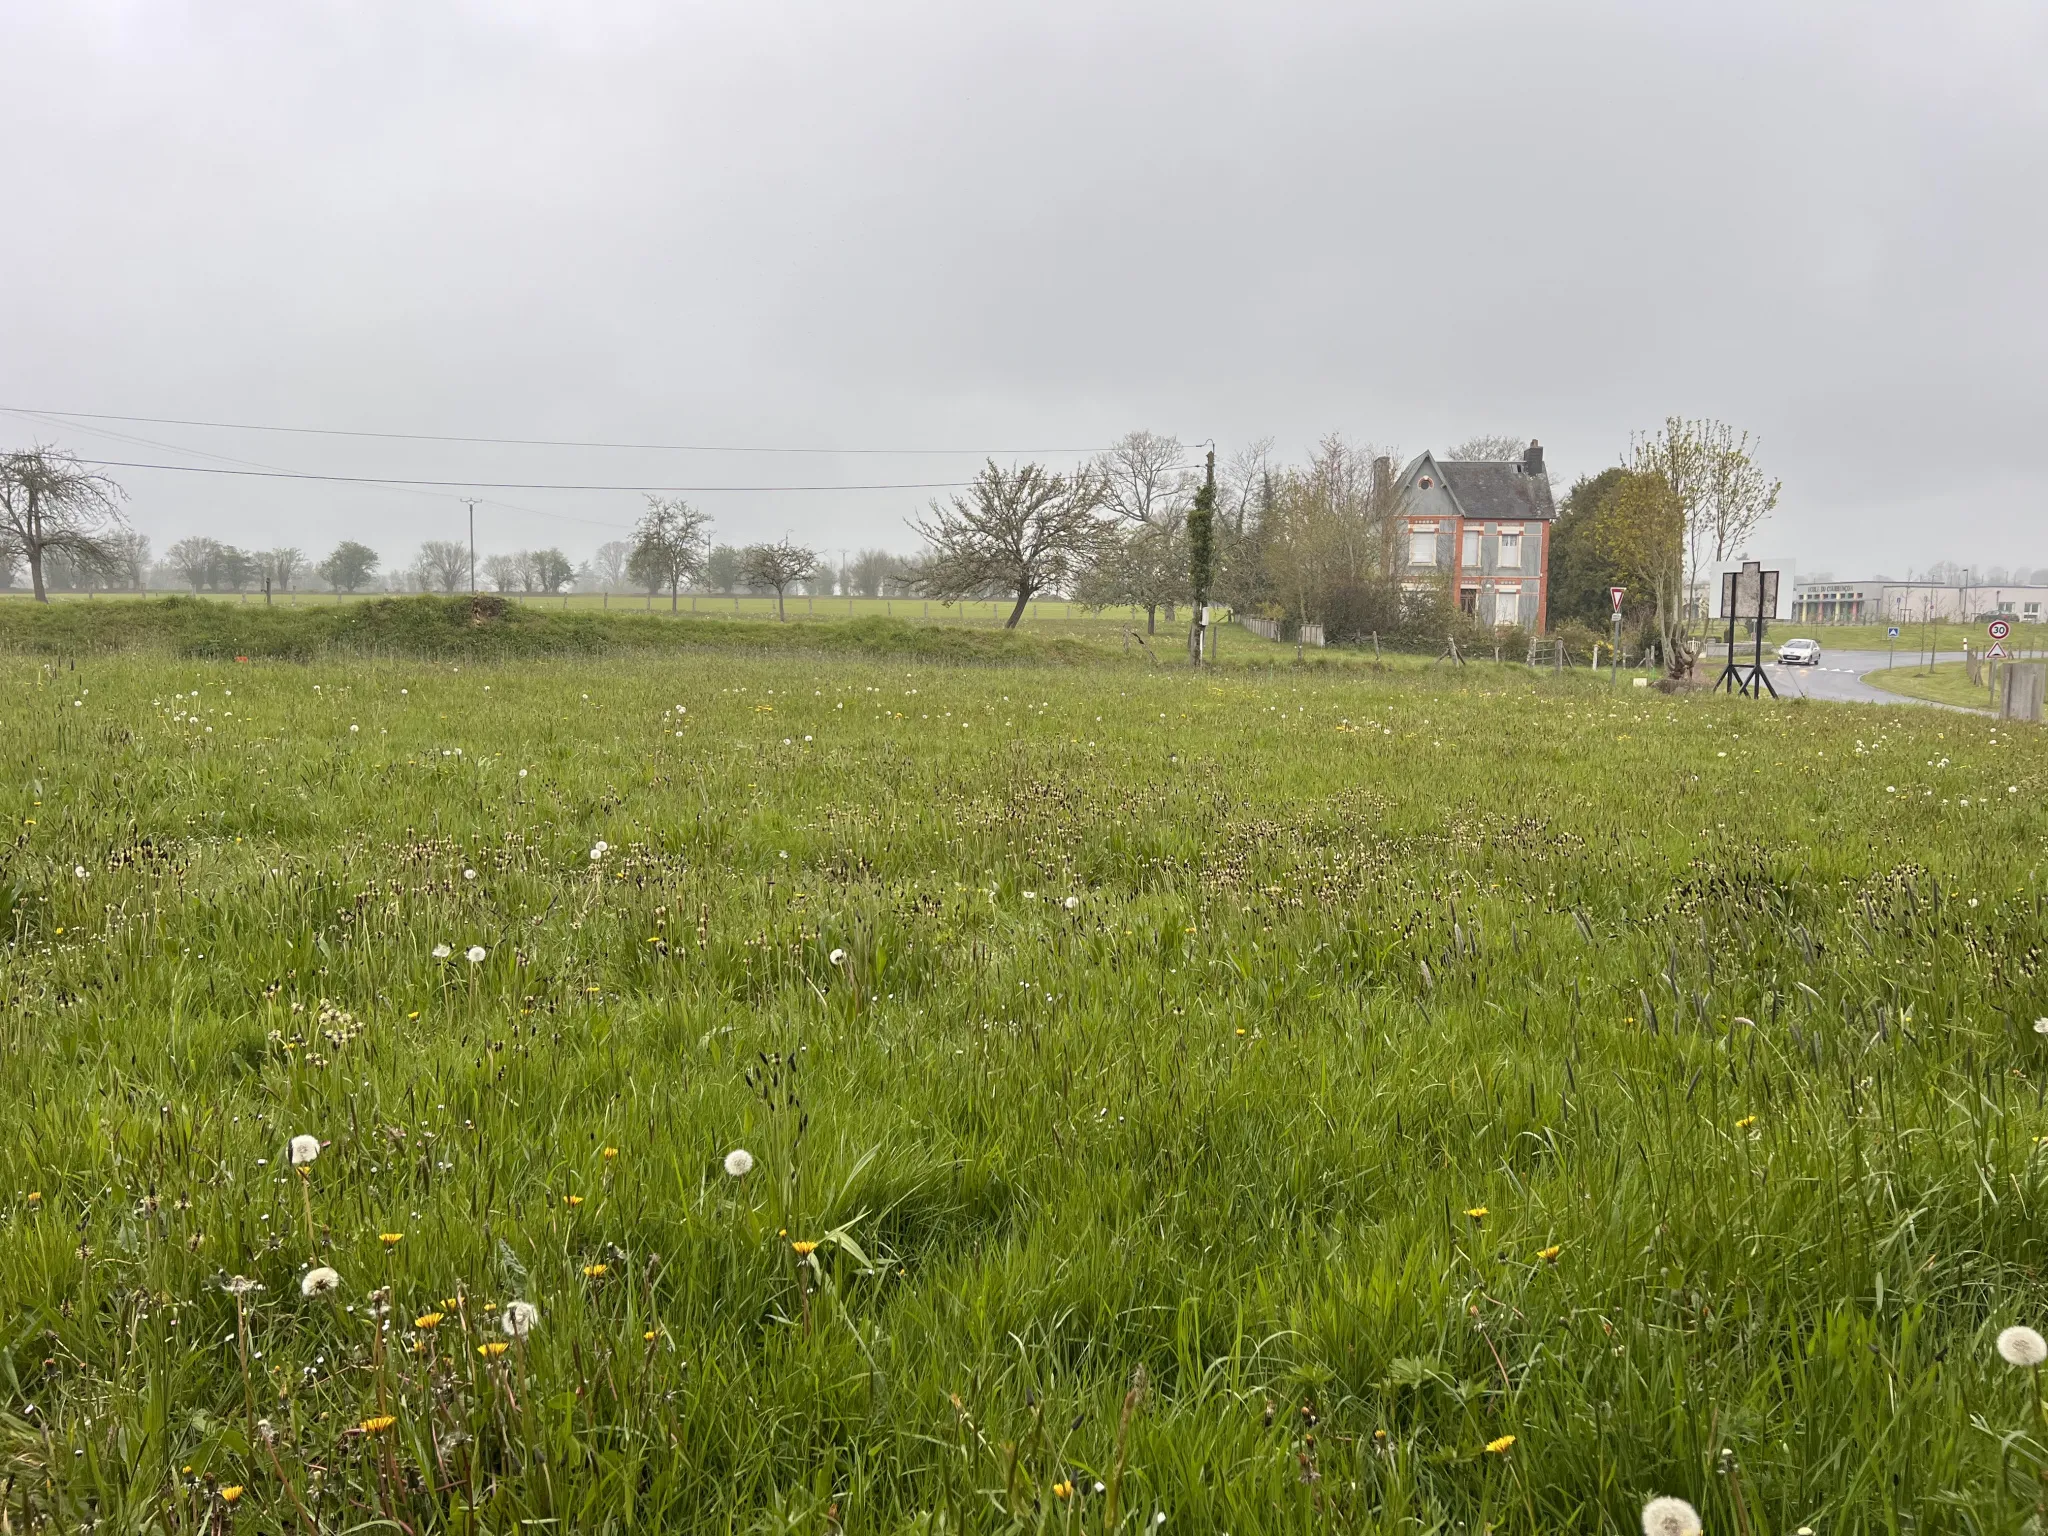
201,562
1023,530
130,550
668,546
1249,484
1722,498
779,565
442,563
1147,488
870,570
505,572
1495,446
282,567
607,567
50,504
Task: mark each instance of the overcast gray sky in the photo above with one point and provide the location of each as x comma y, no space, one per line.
1016,227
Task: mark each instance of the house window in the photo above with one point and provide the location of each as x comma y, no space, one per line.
2033,613
1507,607
1471,547
1422,548
1468,599
1510,551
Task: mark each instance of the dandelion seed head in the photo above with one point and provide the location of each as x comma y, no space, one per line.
442,951
520,1316
838,957
304,1149
319,1281
2022,1346
476,954
1670,1517
739,1162
2041,1026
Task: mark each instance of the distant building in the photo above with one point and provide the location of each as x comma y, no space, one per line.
1484,525
1879,601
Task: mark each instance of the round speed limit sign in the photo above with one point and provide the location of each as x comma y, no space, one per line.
1999,629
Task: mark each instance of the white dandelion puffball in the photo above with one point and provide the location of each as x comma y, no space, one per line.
2041,1026
318,1282
739,1162
469,874
1670,1517
78,870
522,773
476,954
838,957
442,951
304,1150
520,1316
2022,1346
1031,895
1071,902
599,849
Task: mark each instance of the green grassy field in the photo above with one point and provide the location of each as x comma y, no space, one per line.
1265,1101
1947,682
1913,638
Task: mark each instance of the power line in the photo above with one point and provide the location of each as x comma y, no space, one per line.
529,442
511,485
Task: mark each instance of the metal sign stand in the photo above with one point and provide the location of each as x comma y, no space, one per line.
1750,593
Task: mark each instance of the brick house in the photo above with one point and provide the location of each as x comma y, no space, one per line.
1485,525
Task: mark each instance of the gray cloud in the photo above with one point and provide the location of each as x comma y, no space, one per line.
1023,226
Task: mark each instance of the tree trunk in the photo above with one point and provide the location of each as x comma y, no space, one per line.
35,571
1016,613
1151,618
672,589
780,616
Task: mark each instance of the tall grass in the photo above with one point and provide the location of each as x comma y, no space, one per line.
1235,1100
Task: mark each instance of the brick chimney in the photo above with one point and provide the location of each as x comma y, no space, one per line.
1532,458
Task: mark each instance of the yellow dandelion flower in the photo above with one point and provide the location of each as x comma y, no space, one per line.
35,1197
232,1492
1063,1490
1745,1122
450,1303
804,1249
390,1239
1499,1447
378,1425
572,1201
492,1350
610,1153
596,1271
419,1346
428,1320
1549,1255
1477,1213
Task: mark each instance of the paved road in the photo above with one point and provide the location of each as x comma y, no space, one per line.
1840,677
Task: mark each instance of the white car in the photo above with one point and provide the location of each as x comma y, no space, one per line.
1799,653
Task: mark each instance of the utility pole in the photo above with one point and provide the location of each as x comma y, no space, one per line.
470,502
1202,555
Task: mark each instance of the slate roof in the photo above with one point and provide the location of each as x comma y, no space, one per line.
1496,490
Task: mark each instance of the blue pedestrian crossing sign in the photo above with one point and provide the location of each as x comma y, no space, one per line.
1895,632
